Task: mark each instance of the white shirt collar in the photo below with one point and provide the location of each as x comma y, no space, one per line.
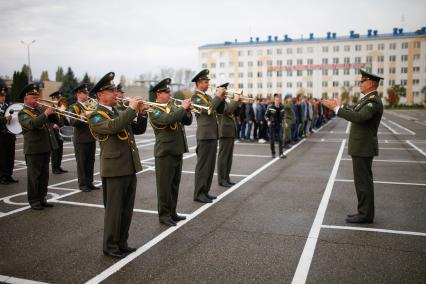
204,93
363,95
107,107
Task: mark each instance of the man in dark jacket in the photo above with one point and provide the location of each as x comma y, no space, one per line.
274,116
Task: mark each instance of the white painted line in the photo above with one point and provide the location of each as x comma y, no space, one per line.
402,127
386,182
391,161
375,230
233,175
421,123
348,128
389,128
415,147
8,279
252,156
305,260
123,262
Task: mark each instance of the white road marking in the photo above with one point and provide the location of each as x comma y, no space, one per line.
305,260
123,262
386,182
252,156
375,230
402,127
233,175
392,161
8,279
348,128
389,128
415,147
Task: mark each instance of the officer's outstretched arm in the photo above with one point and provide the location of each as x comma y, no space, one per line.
365,114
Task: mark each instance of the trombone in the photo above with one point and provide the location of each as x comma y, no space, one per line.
194,107
151,105
60,110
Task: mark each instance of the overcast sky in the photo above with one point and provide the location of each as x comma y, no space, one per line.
134,37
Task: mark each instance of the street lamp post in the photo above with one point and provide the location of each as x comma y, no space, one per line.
28,52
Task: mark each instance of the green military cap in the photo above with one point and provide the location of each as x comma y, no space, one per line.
151,95
3,90
162,86
81,88
30,89
120,88
57,94
225,85
369,76
203,75
105,83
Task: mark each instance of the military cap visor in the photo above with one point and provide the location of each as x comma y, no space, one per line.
224,85
162,86
30,89
120,88
369,76
81,88
56,94
203,75
105,83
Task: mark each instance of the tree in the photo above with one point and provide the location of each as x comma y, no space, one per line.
20,80
86,80
69,82
59,74
346,94
394,94
44,76
27,70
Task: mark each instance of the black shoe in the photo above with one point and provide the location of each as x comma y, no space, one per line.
231,183
85,189
45,204
127,249
4,181
56,171
178,218
273,156
203,199
37,206
115,254
10,179
358,220
62,170
93,187
225,184
352,215
168,222
211,196
282,156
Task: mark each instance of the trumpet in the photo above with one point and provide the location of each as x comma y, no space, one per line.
60,109
152,105
194,107
246,99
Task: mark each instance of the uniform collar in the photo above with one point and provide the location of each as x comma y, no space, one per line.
364,95
30,107
201,92
107,107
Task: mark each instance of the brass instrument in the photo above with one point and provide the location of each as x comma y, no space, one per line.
60,109
246,99
152,105
194,107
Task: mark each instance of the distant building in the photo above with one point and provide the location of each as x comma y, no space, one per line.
320,66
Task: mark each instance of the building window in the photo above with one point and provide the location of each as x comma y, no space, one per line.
259,85
269,51
391,82
240,86
335,71
299,84
269,63
289,62
289,73
279,62
249,52
392,70
259,63
335,84
240,75
250,64
325,49
259,52
222,65
240,53
325,61
416,56
299,72
358,47
310,49
335,60
240,64
404,57
404,70
416,69
380,58
404,45
380,70
357,59
346,83
369,47
212,65
392,58
336,48
250,85
369,59
269,85
279,51
403,82
417,44
416,81
325,83
346,60
279,84
347,48
250,74
259,74
289,85
289,51
299,61
381,46
231,75
324,72
299,50
309,84
346,71
392,45
279,73
204,65
213,76
310,61
310,72
269,74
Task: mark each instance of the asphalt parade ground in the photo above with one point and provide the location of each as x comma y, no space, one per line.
283,222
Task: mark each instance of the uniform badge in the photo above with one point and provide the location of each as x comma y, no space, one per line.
157,113
25,116
371,97
198,100
97,118
370,105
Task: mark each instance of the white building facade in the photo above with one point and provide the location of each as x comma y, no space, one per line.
320,66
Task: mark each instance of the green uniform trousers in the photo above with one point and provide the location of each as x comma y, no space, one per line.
38,177
224,159
85,156
57,153
204,170
363,177
168,170
119,199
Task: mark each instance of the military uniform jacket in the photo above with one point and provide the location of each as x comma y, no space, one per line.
365,117
119,154
207,127
82,132
170,138
38,134
3,121
289,116
227,128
